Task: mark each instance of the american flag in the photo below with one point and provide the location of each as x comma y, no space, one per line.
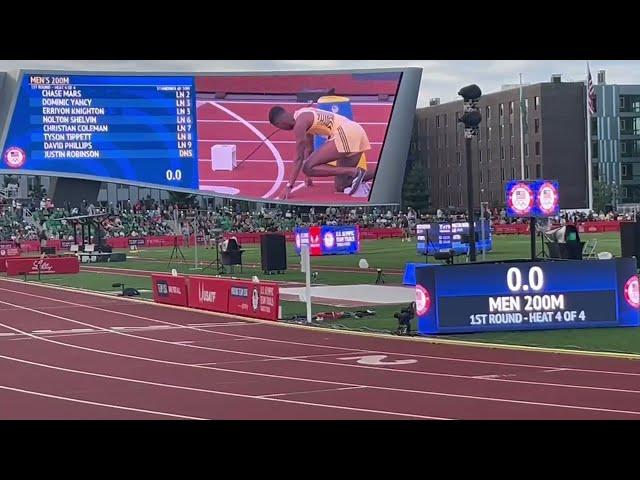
592,93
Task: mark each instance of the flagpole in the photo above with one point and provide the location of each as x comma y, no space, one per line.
521,133
589,165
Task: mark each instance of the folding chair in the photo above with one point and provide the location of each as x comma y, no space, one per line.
589,249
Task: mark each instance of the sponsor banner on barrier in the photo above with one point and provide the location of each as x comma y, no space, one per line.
9,252
169,289
66,244
209,293
33,265
6,245
138,242
257,300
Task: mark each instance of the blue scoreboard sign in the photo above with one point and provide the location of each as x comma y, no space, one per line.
443,237
329,240
527,296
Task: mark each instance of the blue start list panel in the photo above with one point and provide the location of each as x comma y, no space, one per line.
136,128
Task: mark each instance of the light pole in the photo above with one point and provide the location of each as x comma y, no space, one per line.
471,118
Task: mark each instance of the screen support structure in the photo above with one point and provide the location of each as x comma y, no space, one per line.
532,234
305,266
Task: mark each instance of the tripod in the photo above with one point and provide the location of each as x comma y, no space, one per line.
219,267
175,252
380,278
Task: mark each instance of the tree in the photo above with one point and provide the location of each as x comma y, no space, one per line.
602,196
414,190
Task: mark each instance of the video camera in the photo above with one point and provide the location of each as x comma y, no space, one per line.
404,319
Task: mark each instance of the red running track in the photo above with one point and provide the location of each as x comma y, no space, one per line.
265,174
70,355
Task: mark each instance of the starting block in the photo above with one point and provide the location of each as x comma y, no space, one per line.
223,157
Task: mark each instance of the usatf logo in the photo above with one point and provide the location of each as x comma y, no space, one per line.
15,157
206,296
335,108
255,299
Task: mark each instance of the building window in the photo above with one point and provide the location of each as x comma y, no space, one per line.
526,105
481,179
501,110
458,157
511,151
488,154
624,170
594,149
623,125
479,156
502,173
623,147
501,128
526,171
511,129
536,103
437,121
459,177
488,175
513,172
445,140
448,180
625,192
445,121
510,108
526,149
429,181
437,141
595,172
488,115
538,171
536,125
501,153
538,148
621,102
488,133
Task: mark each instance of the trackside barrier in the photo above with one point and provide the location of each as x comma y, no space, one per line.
223,295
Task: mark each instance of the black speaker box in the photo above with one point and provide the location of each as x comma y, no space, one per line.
273,252
48,250
630,240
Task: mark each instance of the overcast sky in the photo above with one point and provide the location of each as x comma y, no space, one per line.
440,78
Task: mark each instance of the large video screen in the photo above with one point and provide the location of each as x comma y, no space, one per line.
213,134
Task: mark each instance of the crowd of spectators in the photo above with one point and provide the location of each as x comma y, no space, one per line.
38,219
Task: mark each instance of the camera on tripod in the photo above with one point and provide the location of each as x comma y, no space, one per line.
404,319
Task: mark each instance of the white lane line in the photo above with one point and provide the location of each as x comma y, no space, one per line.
42,331
7,334
268,143
354,103
291,142
266,122
311,391
98,404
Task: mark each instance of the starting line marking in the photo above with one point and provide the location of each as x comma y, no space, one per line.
378,360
